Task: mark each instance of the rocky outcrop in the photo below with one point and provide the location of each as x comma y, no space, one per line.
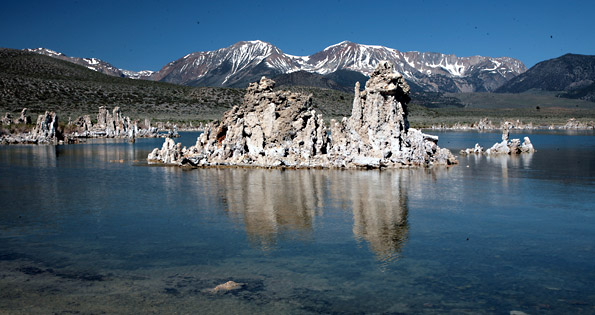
45,129
83,124
111,125
475,150
44,132
281,129
514,146
23,118
487,125
377,134
507,146
170,153
270,128
573,124
7,119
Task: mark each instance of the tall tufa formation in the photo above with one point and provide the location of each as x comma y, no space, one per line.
114,124
377,134
111,125
270,128
280,128
45,130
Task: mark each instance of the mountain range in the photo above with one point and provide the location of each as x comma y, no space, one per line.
337,66
40,82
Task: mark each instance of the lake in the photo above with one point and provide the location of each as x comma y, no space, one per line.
93,228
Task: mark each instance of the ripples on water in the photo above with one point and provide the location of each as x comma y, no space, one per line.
92,228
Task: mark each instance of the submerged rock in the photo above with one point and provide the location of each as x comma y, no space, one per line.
226,287
281,129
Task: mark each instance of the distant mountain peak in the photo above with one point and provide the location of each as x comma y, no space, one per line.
341,44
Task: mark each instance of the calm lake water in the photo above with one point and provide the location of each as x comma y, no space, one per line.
92,228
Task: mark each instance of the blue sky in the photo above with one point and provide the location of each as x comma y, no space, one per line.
138,35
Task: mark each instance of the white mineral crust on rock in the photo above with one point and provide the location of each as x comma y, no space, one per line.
280,128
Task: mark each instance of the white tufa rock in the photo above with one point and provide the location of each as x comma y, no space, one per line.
45,129
512,146
112,125
280,128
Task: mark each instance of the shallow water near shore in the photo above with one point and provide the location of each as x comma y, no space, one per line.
92,228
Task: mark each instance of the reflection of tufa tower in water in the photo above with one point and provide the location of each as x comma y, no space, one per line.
379,205
270,203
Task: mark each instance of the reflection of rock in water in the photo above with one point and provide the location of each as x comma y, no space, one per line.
271,201
511,163
274,202
379,201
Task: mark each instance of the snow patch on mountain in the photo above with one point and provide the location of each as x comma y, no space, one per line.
45,51
143,74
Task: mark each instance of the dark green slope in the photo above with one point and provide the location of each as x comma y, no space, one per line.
43,83
566,73
587,93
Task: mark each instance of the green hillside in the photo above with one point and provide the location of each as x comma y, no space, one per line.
43,83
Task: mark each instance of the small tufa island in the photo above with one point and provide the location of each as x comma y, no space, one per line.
507,146
281,129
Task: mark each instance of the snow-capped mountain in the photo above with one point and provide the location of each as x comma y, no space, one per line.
244,62
232,66
95,64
